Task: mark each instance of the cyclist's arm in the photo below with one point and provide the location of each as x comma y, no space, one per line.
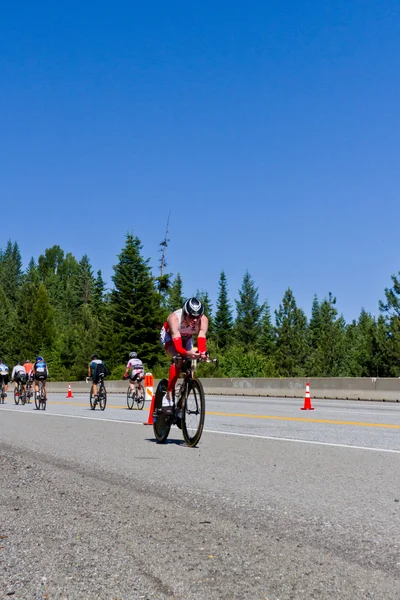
89,372
201,337
177,338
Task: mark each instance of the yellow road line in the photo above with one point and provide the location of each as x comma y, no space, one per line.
271,417
305,420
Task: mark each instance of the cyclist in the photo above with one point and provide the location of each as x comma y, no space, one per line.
176,336
4,375
28,366
19,375
96,368
135,369
40,372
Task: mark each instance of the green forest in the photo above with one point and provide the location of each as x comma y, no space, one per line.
59,308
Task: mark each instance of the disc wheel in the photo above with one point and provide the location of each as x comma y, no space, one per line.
103,399
161,426
16,396
193,413
130,398
140,397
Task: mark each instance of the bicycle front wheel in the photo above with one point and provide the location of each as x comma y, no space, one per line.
161,425
103,398
130,398
193,413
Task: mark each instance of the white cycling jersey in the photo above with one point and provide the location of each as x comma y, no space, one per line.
136,366
16,370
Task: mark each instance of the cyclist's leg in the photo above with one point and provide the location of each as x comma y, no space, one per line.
95,381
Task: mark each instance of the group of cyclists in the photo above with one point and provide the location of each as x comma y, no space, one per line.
176,336
24,373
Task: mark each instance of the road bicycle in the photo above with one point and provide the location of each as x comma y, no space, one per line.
101,398
3,393
40,396
189,406
19,394
29,391
135,395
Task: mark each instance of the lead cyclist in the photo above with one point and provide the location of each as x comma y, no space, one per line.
176,336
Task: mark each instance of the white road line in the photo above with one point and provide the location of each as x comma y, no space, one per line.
231,433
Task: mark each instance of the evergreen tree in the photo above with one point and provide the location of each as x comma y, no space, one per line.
291,343
328,342
135,305
391,312
6,326
176,299
223,320
249,311
99,289
11,271
266,342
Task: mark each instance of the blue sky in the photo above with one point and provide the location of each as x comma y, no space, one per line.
270,131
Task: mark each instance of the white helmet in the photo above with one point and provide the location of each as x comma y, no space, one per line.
133,355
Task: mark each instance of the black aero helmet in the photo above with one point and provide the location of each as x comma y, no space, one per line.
193,307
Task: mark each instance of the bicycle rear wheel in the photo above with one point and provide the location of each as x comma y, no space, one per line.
16,396
140,396
37,400
193,413
102,397
161,426
130,397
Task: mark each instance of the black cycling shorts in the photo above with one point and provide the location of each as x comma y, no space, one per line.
4,378
40,376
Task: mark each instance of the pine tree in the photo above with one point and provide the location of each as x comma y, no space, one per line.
11,271
266,342
135,305
223,319
176,299
291,343
6,326
391,312
249,311
328,351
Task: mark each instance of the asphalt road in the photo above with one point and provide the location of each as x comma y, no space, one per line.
275,503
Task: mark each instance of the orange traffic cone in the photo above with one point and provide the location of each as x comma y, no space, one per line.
307,399
69,395
151,410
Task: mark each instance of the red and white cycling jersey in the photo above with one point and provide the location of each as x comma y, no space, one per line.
186,332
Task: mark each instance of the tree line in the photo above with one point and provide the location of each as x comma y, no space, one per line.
59,308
